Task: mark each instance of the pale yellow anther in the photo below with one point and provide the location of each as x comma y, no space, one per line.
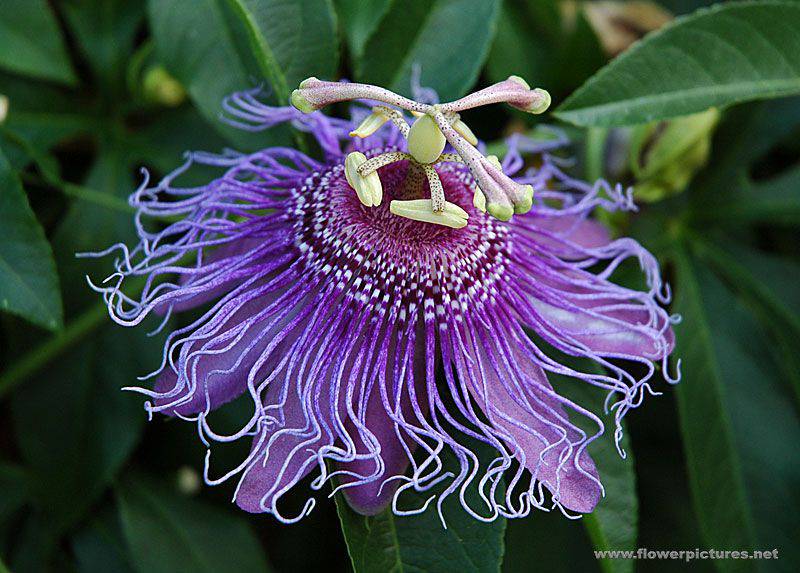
368,188
479,200
465,132
425,140
420,210
372,123
417,113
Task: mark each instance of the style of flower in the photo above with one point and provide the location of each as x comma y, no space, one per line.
373,349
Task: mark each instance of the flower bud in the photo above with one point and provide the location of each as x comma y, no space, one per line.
161,88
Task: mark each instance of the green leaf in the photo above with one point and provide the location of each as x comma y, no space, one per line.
522,48
747,134
89,225
775,201
716,57
100,546
28,279
359,19
684,6
538,43
742,468
40,116
291,41
767,280
168,533
161,145
35,546
769,285
14,485
200,43
106,31
726,194
613,525
74,450
387,542
31,42
449,39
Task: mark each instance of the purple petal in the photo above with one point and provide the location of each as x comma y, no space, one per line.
585,233
535,422
373,496
213,371
283,456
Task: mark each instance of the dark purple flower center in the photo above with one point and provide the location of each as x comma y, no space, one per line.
394,263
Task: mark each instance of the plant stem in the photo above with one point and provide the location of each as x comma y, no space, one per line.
595,151
82,193
74,332
33,361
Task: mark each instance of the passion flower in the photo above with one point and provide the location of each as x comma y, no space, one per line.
370,342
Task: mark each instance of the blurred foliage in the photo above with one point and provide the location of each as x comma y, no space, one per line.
98,89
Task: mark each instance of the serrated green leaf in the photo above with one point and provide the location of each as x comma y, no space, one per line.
28,279
390,543
449,39
742,470
715,57
169,533
31,42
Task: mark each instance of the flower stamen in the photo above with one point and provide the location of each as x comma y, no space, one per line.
379,116
368,187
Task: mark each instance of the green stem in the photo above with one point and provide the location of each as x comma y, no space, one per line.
595,151
33,361
46,352
81,192
51,177
266,61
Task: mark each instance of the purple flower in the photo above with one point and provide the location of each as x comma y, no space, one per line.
367,345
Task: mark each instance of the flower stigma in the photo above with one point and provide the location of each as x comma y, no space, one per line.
435,126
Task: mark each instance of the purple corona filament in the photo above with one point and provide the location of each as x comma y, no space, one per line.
370,347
